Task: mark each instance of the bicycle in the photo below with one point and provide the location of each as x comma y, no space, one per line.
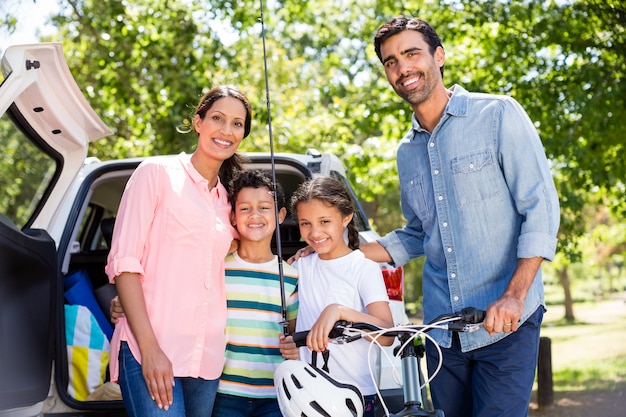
410,350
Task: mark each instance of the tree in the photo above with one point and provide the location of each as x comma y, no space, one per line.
564,62
145,63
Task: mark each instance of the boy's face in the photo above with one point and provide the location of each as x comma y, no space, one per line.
253,214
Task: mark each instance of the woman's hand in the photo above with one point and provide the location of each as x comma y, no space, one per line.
159,376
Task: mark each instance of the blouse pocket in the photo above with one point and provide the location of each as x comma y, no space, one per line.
185,227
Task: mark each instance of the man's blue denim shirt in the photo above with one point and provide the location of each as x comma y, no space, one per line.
477,194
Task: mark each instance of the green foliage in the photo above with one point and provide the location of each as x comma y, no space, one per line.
144,64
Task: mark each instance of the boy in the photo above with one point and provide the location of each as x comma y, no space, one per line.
253,296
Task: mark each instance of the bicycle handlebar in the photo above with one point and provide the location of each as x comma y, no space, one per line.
456,322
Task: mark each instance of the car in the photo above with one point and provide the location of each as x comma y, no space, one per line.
58,207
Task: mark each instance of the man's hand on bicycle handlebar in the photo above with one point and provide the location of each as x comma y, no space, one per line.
503,315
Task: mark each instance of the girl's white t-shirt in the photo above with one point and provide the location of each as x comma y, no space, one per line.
353,281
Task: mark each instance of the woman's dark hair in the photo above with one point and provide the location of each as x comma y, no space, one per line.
401,23
332,193
231,166
254,179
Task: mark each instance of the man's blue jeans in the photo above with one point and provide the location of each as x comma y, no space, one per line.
493,381
192,397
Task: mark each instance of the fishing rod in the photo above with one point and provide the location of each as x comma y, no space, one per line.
279,250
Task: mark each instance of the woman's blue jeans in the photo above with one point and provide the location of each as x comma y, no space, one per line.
192,397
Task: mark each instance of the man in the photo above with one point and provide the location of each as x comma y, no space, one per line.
481,206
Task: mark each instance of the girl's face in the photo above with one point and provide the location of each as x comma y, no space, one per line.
321,227
222,129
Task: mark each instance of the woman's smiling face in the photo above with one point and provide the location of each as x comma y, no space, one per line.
222,129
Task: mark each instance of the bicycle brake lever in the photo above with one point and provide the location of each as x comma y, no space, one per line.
343,339
338,328
473,327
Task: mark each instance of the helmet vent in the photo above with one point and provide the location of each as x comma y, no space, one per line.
287,393
296,382
319,409
351,406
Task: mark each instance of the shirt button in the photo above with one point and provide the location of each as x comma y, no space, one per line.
449,250
436,172
456,298
431,144
445,224
471,166
453,275
440,198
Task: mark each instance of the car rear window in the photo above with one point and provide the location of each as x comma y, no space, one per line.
26,171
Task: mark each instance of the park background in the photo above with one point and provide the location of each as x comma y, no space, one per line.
143,64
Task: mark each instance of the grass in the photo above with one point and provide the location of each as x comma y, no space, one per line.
590,350
588,358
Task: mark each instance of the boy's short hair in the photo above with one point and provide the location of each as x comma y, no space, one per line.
254,179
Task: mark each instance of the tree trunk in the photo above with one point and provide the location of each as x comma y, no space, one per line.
568,302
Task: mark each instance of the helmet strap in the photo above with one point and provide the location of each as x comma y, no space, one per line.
325,356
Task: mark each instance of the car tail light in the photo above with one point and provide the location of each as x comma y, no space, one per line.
394,281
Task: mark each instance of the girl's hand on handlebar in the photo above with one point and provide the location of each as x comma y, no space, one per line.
288,347
503,315
317,340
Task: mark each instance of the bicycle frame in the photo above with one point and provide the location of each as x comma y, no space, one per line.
412,379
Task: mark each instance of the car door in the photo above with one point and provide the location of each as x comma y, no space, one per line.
46,125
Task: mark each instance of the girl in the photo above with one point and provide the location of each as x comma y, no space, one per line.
171,235
337,282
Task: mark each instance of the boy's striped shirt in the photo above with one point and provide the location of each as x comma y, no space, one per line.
254,323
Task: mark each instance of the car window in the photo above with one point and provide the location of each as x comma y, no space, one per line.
26,172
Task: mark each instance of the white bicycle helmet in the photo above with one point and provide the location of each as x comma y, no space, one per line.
310,392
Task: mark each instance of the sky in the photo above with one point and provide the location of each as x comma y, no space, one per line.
31,20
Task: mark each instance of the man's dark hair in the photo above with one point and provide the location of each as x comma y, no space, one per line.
401,23
254,179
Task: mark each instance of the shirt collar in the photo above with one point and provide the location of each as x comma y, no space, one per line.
457,105
196,177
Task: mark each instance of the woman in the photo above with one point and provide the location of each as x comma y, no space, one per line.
171,235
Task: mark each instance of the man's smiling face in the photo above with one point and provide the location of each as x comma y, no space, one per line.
410,68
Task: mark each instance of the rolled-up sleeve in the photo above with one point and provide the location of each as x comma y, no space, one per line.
403,245
530,182
135,214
